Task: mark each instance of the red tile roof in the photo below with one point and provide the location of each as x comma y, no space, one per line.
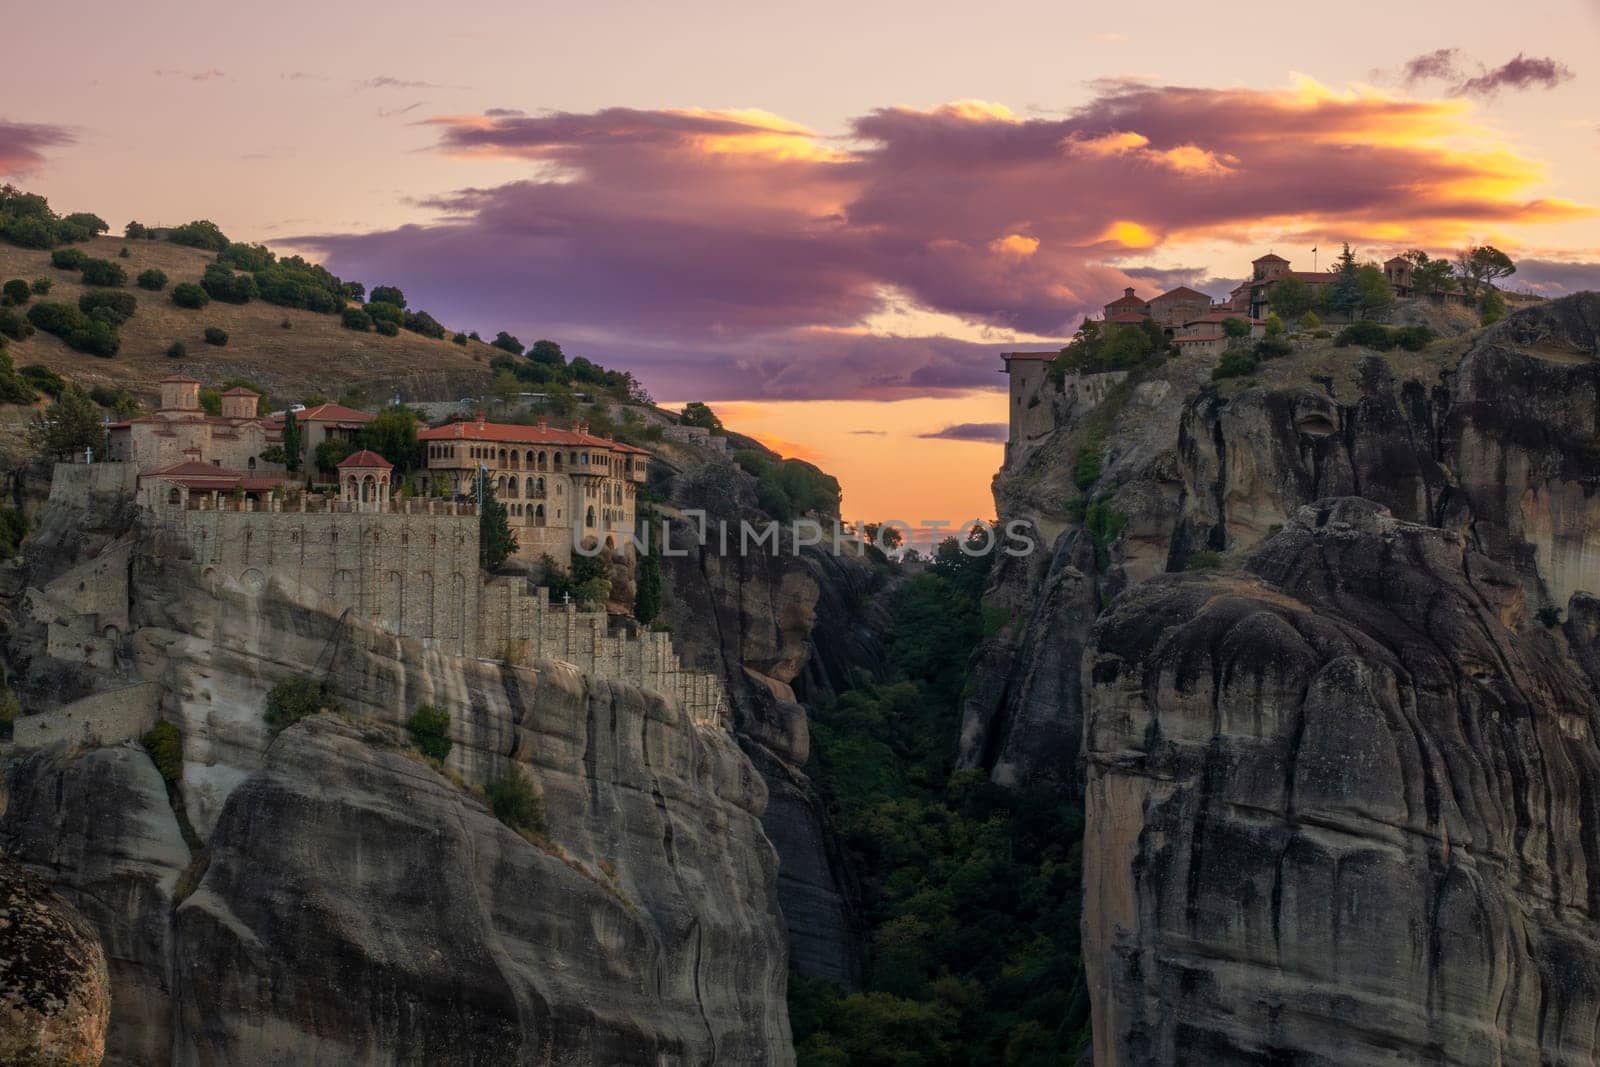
507,433
240,390
180,378
1009,356
330,413
365,458
1184,292
1270,257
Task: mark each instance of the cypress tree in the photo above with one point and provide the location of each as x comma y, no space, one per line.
291,442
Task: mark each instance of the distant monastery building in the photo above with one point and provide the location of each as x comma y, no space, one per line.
556,484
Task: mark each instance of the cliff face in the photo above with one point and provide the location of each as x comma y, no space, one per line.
54,992
323,895
1340,795
781,629
1341,809
1492,436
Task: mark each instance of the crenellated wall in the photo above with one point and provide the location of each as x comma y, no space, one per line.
416,575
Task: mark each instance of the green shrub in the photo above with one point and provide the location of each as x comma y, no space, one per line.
1412,338
514,801
81,226
216,335
1272,348
153,280
43,379
460,338
356,319
16,292
222,284
1204,561
387,294
190,295
136,231
10,708
14,326
80,331
31,232
14,389
1235,364
381,311
103,272
165,746
1322,334
294,699
41,286
1366,334
123,253
177,350
68,259
1492,307
120,305
13,528
1104,527
425,324
294,282
430,731
248,257
387,329
202,233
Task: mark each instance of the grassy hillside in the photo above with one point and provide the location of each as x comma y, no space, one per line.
290,352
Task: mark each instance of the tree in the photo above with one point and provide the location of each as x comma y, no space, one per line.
647,587
392,434
1274,324
152,279
1290,297
17,292
103,272
331,452
1376,295
387,294
1491,306
1430,275
1309,321
201,233
507,343
697,413
291,442
190,295
495,540
1343,297
216,335
514,801
1236,328
356,319
68,427
1483,266
429,727
548,353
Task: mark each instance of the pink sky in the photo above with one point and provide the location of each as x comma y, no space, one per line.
819,216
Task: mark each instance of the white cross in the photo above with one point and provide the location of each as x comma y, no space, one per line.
88,455
566,598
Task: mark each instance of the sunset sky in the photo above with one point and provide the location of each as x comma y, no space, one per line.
826,224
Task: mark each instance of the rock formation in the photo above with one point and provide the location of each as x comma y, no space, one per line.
54,991
325,895
1341,809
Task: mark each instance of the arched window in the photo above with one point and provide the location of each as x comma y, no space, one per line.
558,461
531,486
588,519
251,463
530,459
502,457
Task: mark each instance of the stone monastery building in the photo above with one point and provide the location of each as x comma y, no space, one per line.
556,484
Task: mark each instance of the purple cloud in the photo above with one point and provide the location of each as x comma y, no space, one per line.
970,431
745,254
1520,73
1442,64
22,144
1550,277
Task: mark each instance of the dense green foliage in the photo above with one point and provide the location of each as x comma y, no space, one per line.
425,324
216,335
292,444
547,352
14,326
1491,307
165,746
27,220
1382,338
647,586
152,279
514,801
14,387
86,333
118,307
1290,297
103,272
392,434
506,342
1089,462
190,295
68,258
68,426
1100,346
430,731
201,233
13,528
16,292
388,294
788,488
356,319
972,891
223,284
294,699
43,379
698,413
495,540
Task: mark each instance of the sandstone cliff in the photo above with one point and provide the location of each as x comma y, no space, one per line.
324,895
54,991
1340,791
